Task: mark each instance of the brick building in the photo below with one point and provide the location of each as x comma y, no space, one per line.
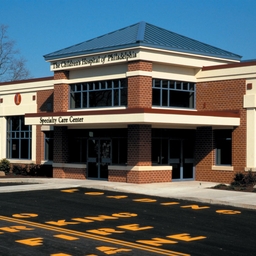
139,105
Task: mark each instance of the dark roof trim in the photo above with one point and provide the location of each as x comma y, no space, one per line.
233,65
224,113
28,80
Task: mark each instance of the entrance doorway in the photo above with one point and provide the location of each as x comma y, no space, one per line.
99,156
181,158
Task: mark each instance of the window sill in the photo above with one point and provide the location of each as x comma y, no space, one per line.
95,109
69,165
222,168
20,161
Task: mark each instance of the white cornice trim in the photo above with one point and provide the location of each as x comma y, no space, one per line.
27,87
138,73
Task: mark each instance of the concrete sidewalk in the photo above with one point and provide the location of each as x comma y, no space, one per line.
187,190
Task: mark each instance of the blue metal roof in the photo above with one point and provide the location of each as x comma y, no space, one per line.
142,34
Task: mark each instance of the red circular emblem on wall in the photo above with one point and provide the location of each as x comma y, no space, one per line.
17,99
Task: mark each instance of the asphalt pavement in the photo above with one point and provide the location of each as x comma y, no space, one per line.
198,191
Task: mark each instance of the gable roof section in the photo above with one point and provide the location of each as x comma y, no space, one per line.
142,34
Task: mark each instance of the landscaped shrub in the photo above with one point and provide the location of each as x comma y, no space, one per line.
33,169
238,179
244,179
19,169
5,165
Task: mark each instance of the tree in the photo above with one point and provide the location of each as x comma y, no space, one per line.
12,66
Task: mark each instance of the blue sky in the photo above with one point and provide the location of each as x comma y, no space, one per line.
40,27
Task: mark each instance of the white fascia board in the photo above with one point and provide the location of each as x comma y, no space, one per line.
180,58
247,72
140,118
142,53
94,54
27,87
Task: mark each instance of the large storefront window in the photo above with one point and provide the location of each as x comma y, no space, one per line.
81,142
176,148
223,147
177,94
18,138
110,93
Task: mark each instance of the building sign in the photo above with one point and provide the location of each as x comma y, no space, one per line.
61,120
17,99
93,60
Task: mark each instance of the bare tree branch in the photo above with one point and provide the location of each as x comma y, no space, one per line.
12,67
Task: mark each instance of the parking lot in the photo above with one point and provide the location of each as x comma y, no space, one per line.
80,221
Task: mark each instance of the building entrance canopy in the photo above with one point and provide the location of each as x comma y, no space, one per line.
123,117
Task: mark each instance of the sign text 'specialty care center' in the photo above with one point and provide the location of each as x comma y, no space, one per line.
60,120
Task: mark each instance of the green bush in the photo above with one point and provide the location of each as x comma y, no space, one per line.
238,179
19,169
33,169
5,165
243,179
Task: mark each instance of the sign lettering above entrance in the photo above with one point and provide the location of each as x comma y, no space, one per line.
61,120
93,60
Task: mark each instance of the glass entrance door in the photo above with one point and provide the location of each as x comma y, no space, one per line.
99,157
181,158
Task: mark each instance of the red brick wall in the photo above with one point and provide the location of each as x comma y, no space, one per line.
61,75
140,87
139,145
39,145
45,101
60,145
61,92
140,65
139,92
61,97
140,176
149,176
69,173
221,95
44,104
58,173
117,175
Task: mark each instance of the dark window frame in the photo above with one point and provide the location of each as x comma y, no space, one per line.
98,94
19,138
173,94
223,147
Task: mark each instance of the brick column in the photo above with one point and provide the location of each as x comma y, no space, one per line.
61,92
140,86
139,145
60,149
60,145
44,104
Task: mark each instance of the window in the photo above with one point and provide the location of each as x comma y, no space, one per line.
48,145
119,151
223,147
108,93
78,152
168,93
18,138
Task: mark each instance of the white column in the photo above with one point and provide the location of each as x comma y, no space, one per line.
2,137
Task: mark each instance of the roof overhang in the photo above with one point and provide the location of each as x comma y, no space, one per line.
158,118
127,54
